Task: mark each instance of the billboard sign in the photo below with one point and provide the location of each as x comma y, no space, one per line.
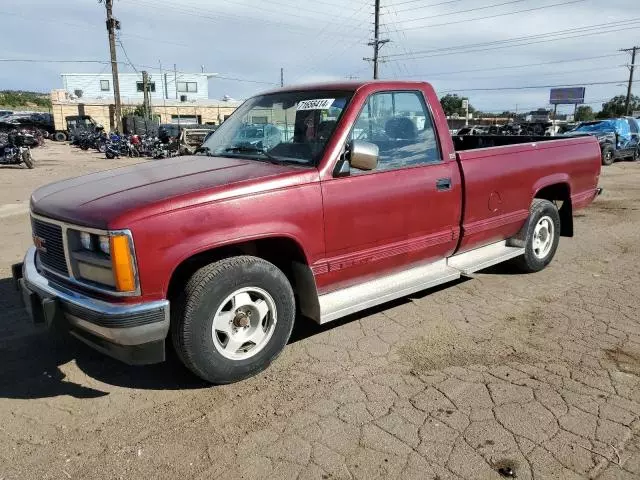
567,96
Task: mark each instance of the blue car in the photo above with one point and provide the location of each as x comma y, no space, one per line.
619,137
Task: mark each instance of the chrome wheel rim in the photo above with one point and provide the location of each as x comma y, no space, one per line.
244,323
543,236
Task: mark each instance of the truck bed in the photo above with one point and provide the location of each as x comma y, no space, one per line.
472,142
501,180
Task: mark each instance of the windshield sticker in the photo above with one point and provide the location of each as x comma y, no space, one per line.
318,104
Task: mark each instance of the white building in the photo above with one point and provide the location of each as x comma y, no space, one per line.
186,87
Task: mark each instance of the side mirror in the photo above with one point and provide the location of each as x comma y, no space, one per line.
363,155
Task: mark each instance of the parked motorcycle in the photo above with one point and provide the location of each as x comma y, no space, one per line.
16,152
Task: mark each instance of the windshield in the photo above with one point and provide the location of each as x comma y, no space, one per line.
605,126
291,127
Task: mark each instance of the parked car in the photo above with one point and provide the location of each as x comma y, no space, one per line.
30,121
619,138
192,137
263,136
4,113
220,251
472,131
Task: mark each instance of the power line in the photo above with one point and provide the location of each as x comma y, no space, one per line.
529,87
470,48
125,54
217,16
423,6
431,5
37,60
458,12
494,68
561,4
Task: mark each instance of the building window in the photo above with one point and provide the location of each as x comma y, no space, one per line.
104,85
151,86
189,87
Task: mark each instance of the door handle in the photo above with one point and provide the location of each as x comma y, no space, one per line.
443,184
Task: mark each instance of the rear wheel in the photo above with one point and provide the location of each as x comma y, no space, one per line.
233,318
608,153
60,136
542,236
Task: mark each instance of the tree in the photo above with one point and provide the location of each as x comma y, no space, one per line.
14,98
584,113
616,107
453,104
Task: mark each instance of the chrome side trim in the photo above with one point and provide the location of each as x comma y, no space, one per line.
353,299
65,245
483,257
36,281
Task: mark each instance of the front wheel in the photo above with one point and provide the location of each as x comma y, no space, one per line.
608,153
541,237
233,318
28,159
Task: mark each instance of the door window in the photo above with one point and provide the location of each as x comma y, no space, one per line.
400,125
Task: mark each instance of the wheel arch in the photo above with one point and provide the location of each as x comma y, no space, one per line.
558,190
284,251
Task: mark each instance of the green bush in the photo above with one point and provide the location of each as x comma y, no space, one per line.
12,98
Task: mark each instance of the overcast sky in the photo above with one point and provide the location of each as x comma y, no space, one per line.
327,39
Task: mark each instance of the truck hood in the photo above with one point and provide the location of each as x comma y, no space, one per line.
103,199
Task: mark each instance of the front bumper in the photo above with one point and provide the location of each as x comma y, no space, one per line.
132,333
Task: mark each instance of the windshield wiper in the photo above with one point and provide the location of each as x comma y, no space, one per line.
248,149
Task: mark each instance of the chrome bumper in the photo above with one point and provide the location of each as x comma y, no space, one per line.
133,333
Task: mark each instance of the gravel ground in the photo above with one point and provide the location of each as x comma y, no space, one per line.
537,373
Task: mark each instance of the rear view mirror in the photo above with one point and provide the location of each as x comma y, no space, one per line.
363,155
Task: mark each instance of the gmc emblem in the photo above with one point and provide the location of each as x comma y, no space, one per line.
40,244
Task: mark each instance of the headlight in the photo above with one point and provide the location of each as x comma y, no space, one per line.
105,259
85,240
103,240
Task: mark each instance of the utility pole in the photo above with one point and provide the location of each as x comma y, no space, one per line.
145,88
112,25
175,79
376,43
281,77
633,51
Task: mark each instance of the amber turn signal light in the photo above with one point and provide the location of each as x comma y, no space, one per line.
122,262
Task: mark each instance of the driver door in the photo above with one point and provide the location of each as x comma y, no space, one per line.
405,211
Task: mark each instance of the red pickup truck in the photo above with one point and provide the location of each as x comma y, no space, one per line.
310,202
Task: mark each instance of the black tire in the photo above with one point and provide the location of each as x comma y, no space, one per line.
530,262
28,159
608,153
194,310
110,155
60,136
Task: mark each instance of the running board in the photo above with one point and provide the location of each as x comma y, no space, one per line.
359,297
483,257
353,299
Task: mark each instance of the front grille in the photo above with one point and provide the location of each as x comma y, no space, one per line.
52,254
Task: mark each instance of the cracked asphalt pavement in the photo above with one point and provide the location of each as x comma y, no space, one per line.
535,376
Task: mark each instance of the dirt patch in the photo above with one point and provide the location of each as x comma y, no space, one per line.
626,360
